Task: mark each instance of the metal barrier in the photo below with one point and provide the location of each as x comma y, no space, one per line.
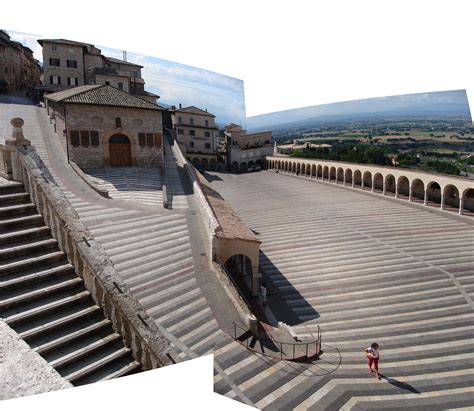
300,352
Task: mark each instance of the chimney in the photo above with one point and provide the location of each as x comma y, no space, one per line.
180,107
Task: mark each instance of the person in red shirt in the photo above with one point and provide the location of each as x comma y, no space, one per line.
373,356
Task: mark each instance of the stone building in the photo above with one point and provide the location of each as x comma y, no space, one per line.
18,68
70,64
197,134
245,151
101,126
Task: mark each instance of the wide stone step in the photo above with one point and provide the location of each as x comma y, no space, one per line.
72,336
128,369
31,262
75,376
30,277
11,187
28,248
43,310
16,209
14,198
35,295
63,321
84,351
22,235
33,220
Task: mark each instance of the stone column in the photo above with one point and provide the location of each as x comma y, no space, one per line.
409,193
373,185
425,200
353,181
10,163
255,283
441,206
396,190
384,188
461,206
344,179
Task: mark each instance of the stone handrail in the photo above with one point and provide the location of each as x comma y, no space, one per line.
100,190
20,162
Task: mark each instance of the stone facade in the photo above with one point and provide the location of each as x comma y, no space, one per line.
85,131
243,150
17,64
196,132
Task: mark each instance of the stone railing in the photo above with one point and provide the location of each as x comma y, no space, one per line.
129,319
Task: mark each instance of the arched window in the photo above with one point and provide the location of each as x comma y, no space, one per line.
118,122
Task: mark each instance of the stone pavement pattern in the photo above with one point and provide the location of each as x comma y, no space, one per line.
152,251
366,270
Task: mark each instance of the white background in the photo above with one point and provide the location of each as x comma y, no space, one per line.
289,54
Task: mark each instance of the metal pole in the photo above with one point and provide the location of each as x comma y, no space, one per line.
281,351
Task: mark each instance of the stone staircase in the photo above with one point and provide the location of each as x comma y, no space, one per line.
45,301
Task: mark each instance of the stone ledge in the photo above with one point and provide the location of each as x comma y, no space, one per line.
91,183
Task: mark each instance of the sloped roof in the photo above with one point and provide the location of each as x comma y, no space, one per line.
101,95
195,110
64,41
128,63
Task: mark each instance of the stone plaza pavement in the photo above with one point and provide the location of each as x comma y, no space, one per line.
320,245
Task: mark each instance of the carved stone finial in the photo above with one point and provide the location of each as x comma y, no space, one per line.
17,139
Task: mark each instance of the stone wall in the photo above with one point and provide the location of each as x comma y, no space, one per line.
129,319
82,117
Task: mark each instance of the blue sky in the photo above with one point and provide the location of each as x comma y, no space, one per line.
176,83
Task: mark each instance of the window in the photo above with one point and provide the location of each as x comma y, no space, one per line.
107,83
267,141
149,139
191,144
208,145
191,121
75,138
142,139
180,120
55,79
118,122
54,62
120,86
54,48
72,81
94,138
135,74
206,123
71,63
180,131
158,139
207,134
84,138
192,132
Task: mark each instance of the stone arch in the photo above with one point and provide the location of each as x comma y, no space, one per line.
467,200
433,194
367,180
403,187
357,182
212,165
251,164
205,164
326,173
417,191
340,176
294,168
243,166
319,175
348,175
313,171
451,196
259,163
378,182
298,169
332,174
390,186
235,167
196,163
133,144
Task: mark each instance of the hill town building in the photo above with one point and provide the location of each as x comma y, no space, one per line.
18,68
70,64
244,151
197,134
100,125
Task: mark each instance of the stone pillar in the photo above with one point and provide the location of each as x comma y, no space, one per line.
373,185
344,179
425,199
353,181
461,206
409,193
256,283
10,163
384,188
396,190
441,206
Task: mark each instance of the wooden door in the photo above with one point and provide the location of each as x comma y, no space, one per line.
120,155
